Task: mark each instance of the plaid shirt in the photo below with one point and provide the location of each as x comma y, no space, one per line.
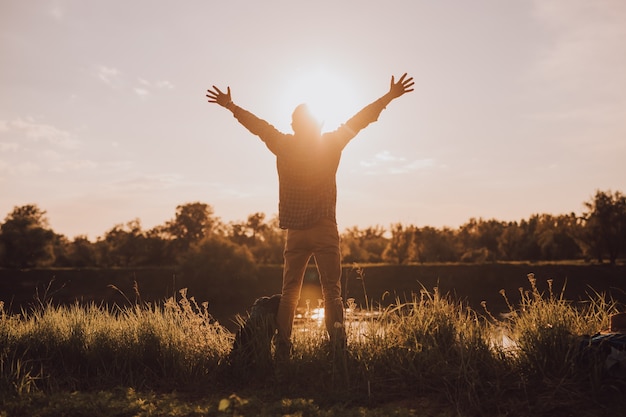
307,166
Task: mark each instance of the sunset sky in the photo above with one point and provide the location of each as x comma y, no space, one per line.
519,106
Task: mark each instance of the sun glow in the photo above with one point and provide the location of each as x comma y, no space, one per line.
332,98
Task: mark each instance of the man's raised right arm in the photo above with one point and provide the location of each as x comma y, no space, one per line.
257,126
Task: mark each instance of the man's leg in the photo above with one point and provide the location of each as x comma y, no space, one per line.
296,257
328,260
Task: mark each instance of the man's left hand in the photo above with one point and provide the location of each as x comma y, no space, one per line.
404,85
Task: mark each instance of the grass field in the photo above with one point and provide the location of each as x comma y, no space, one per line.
430,355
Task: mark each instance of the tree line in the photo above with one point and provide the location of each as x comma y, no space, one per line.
196,239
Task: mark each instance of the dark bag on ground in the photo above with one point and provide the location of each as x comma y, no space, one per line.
252,347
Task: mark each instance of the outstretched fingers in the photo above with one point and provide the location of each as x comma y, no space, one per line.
407,84
212,95
403,85
218,96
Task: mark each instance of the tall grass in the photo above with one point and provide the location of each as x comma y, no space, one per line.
529,360
552,359
73,347
431,346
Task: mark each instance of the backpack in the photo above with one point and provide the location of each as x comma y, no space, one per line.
252,347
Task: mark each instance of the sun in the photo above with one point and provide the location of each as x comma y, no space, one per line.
331,96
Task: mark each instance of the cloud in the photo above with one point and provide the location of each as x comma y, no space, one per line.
164,85
74,165
604,113
21,169
147,87
118,166
58,162
141,92
385,162
386,156
418,164
9,146
381,158
142,87
232,191
147,182
55,150
30,129
108,75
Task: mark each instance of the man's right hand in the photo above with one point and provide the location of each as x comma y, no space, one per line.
404,85
217,96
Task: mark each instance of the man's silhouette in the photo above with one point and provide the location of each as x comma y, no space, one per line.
307,163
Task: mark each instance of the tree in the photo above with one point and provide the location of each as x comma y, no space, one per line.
363,245
510,241
265,240
269,242
238,233
82,252
256,225
25,238
479,239
555,236
401,247
250,232
123,245
159,247
606,224
433,245
529,249
193,222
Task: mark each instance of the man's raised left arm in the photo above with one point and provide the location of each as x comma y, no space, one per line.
370,113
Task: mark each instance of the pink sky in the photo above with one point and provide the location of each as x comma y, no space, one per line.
519,108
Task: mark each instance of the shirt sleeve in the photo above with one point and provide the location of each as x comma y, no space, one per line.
369,114
271,136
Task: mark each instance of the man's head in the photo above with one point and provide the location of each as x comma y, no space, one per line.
303,122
